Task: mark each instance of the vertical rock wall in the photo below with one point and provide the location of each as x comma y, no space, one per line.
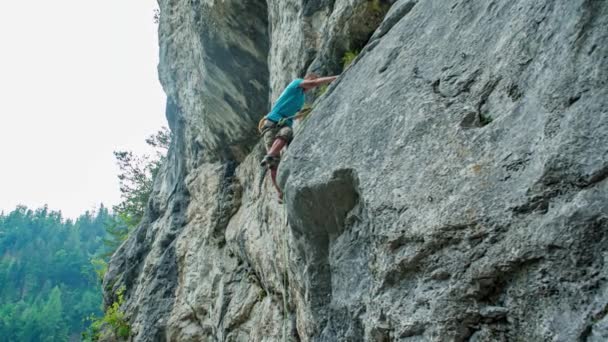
450,186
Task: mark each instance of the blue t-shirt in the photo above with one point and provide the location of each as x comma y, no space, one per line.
289,103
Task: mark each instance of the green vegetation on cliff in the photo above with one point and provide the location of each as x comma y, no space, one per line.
136,178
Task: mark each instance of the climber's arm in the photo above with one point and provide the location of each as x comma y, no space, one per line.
309,84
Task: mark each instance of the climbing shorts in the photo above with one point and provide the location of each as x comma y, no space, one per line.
271,131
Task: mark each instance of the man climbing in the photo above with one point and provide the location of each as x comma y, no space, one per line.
277,131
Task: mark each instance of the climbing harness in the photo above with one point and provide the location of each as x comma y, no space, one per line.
302,113
261,124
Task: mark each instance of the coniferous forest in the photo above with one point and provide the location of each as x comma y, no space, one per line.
48,285
51,267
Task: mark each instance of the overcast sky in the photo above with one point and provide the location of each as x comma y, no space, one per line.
78,80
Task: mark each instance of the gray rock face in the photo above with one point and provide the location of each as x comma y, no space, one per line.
213,67
449,186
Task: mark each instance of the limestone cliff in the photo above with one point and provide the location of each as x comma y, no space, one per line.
449,186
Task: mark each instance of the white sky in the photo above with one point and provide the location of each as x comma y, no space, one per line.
78,80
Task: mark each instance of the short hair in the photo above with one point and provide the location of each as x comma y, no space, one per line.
311,76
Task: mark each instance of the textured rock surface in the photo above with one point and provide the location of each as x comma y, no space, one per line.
450,186
213,67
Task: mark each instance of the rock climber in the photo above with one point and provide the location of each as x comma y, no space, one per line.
276,129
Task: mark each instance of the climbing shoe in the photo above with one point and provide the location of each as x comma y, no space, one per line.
270,161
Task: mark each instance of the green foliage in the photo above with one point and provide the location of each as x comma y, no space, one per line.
375,6
47,284
349,57
100,267
135,185
113,321
322,89
51,268
117,231
136,179
115,318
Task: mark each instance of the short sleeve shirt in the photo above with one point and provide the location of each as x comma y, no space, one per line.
289,103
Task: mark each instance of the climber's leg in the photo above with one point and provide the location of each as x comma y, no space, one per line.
269,133
277,146
282,138
286,135
275,140
273,156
